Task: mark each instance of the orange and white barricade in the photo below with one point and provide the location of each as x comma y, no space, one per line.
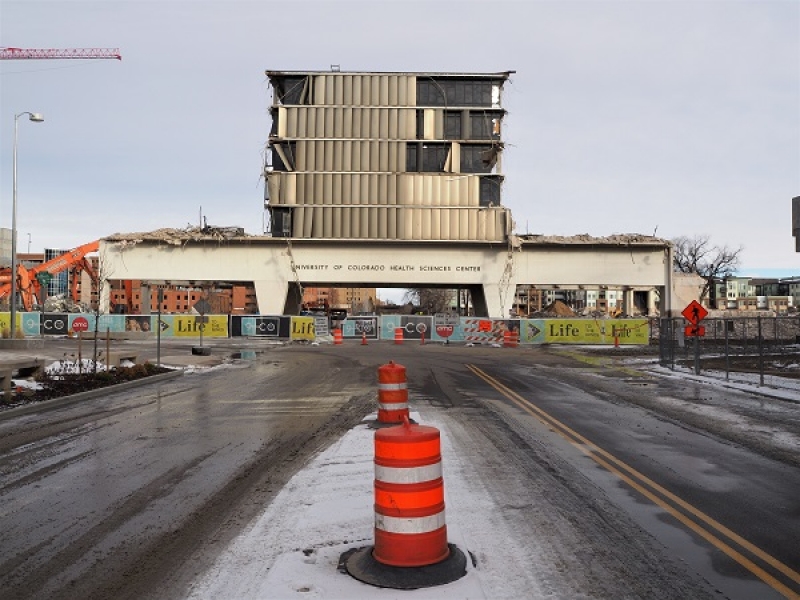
392,393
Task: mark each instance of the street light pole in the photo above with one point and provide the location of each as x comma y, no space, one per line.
36,118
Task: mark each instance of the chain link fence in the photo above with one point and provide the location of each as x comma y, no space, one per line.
763,347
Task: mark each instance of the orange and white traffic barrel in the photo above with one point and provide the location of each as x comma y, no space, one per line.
510,339
392,393
398,335
337,337
410,529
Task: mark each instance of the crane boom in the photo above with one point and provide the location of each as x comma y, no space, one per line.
20,53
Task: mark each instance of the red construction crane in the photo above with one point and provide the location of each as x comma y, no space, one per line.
19,53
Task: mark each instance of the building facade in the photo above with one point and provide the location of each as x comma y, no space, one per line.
386,156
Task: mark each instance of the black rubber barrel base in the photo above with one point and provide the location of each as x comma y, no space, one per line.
360,564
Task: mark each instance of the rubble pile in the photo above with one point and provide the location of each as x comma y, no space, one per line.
617,239
178,237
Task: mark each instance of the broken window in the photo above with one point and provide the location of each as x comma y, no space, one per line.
478,158
426,158
283,156
452,125
446,91
490,190
291,89
485,125
281,222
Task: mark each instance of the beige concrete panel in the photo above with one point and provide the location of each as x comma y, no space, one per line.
329,88
311,122
319,90
427,190
347,188
291,122
319,188
374,155
393,95
384,101
347,125
289,193
337,222
435,193
356,90
455,233
364,146
327,222
426,224
419,214
355,222
392,161
364,182
319,132
366,116
308,220
375,123
282,119
438,124
298,222
329,153
391,194
429,124
347,84
329,123
327,194
347,226
383,224
302,179
402,90
338,155
405,185
366,90
383,190
410,130
455,154
347,155
472,226
463,223
375,90
355,130
364,214
373,223
299,156
419,189
336,186
402,126
408,218
383,156
338,122
302,122
274,183
391,229
383,127
474,183
436,223
411,81
305,149
482,235
355,190
338,89
373,188
319,219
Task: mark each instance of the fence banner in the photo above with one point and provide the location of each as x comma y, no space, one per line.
193,325
357,327
596,331
303,329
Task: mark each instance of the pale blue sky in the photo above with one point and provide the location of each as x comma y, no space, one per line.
680,118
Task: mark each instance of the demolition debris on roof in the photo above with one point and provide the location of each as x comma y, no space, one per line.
178,237
619,239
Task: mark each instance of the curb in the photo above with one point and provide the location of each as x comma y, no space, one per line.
54,403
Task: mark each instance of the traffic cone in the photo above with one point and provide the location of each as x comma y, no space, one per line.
363,338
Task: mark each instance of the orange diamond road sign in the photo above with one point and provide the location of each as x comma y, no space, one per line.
694,313
694,331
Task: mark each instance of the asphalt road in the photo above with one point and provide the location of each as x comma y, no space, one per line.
621,484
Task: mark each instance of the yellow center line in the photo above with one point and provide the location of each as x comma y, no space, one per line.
594,451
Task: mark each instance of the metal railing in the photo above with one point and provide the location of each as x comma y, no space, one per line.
763,345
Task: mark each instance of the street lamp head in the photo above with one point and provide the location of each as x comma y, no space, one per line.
36,117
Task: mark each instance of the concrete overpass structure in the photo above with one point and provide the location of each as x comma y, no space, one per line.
280,267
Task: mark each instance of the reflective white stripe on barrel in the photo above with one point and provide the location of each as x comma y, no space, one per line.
409,525
391,387
398,406
409,474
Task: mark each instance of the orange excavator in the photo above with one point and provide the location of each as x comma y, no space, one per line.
30,281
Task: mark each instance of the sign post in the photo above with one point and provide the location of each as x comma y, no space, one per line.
444,324
694,313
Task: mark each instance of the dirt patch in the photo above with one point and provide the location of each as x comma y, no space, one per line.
57,385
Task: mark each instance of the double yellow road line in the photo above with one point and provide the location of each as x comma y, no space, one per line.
696,520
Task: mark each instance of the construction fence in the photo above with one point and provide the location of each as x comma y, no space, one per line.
764,346
384,327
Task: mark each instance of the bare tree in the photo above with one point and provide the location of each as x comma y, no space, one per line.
697,255
430,300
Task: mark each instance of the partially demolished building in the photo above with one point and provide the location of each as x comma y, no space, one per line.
387,156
